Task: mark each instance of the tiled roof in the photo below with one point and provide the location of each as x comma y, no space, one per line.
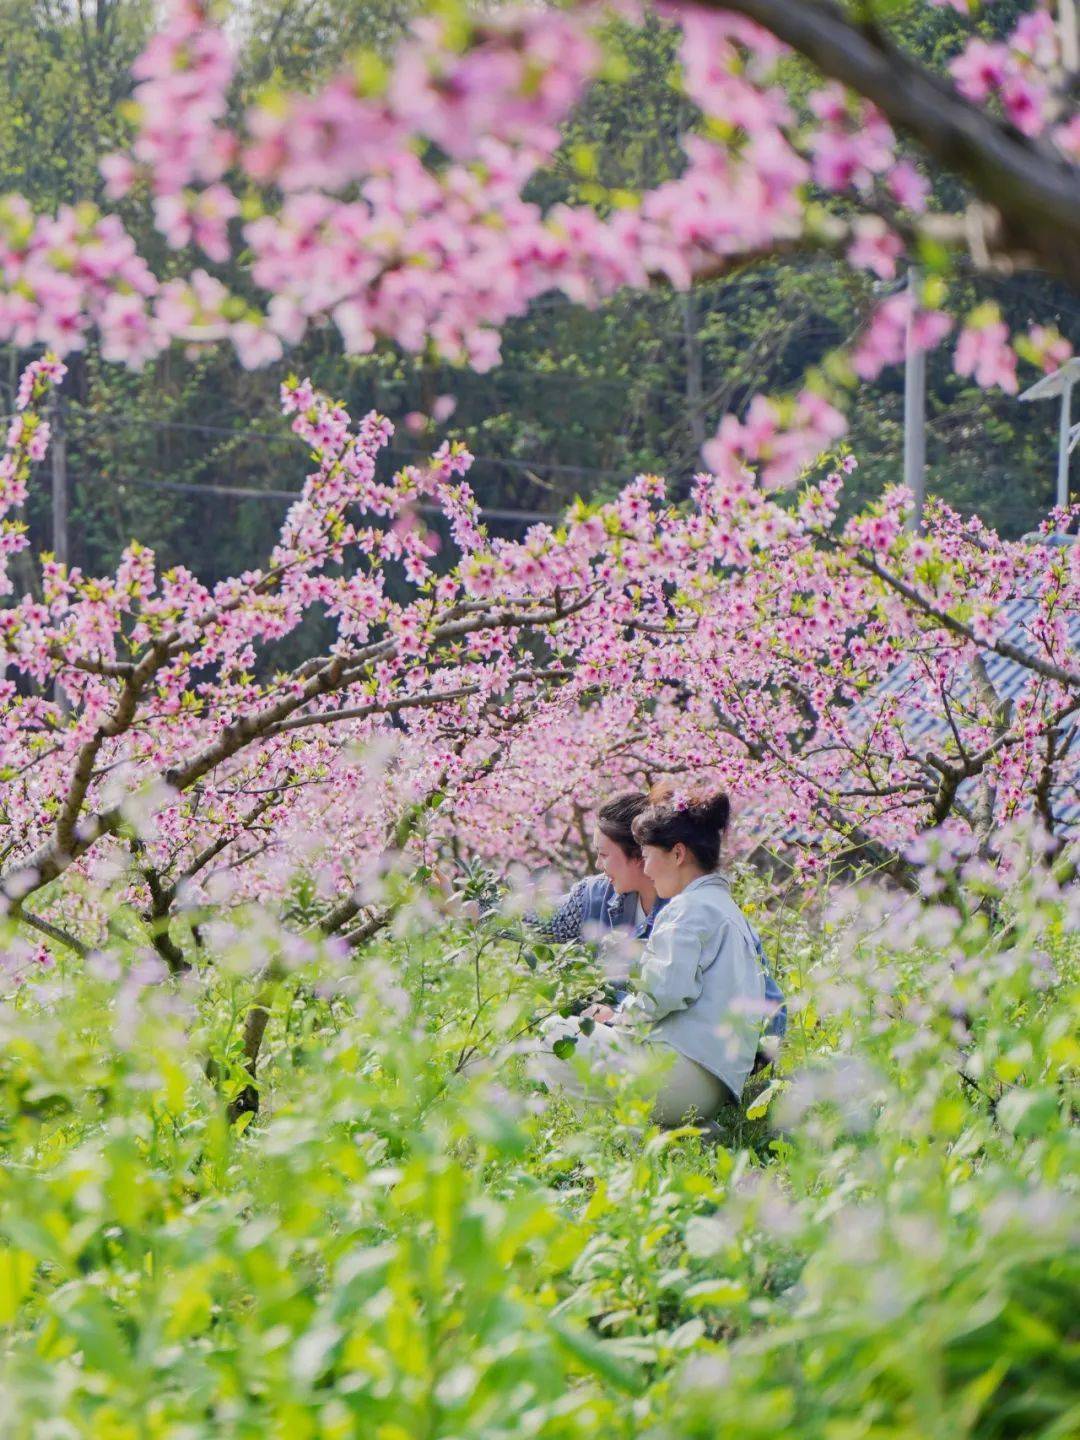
1009,680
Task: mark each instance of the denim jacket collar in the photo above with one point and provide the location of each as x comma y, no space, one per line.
715,877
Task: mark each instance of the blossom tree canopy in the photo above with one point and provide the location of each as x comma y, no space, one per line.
391,201
843,680
846,673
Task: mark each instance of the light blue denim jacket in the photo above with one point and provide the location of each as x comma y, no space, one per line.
700,986
593,904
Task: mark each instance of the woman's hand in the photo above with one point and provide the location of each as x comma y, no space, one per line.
602,1014
453,904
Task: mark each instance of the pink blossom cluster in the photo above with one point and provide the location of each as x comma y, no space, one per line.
875,247
516,80
984,351
853,145
60,277
896,322
1046,347
1012,71
781,438
389,200
727,63
26,444
183,79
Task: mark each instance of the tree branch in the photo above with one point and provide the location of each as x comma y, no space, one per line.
214,849
361,712
53,932
255,1022
1034,190
1005,648
70,841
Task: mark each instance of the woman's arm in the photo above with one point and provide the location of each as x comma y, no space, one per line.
671,967
565,921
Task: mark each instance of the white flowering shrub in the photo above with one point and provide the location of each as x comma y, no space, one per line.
410,1238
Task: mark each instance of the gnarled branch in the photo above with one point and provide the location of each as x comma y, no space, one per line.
1034,190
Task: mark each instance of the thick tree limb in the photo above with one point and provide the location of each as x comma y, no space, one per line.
376,921
121,719
255,1022
1035,191
158,922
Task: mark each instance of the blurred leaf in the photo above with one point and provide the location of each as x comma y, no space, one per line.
598,1357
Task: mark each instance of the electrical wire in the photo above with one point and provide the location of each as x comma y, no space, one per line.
513,462
245,492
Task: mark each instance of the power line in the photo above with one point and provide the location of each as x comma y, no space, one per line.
245,492
513,462
590,382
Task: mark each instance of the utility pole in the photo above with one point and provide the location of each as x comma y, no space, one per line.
914,409
58,449
1064,444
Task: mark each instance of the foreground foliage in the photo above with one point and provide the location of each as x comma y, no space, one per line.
410,1241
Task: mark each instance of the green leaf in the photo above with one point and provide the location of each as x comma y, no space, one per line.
596,1356
16,1278
719,1291
759,1106
687,1335
88,1319
1028,1112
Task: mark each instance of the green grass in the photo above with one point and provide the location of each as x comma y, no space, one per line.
409,1240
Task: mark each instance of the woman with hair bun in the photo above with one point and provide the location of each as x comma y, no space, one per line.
700,990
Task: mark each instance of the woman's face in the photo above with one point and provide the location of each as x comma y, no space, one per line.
667,869
625,874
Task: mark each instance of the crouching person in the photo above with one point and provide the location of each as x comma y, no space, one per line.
699,996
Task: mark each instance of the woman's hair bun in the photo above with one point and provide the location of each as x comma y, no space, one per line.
708,808
694,818
711,809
